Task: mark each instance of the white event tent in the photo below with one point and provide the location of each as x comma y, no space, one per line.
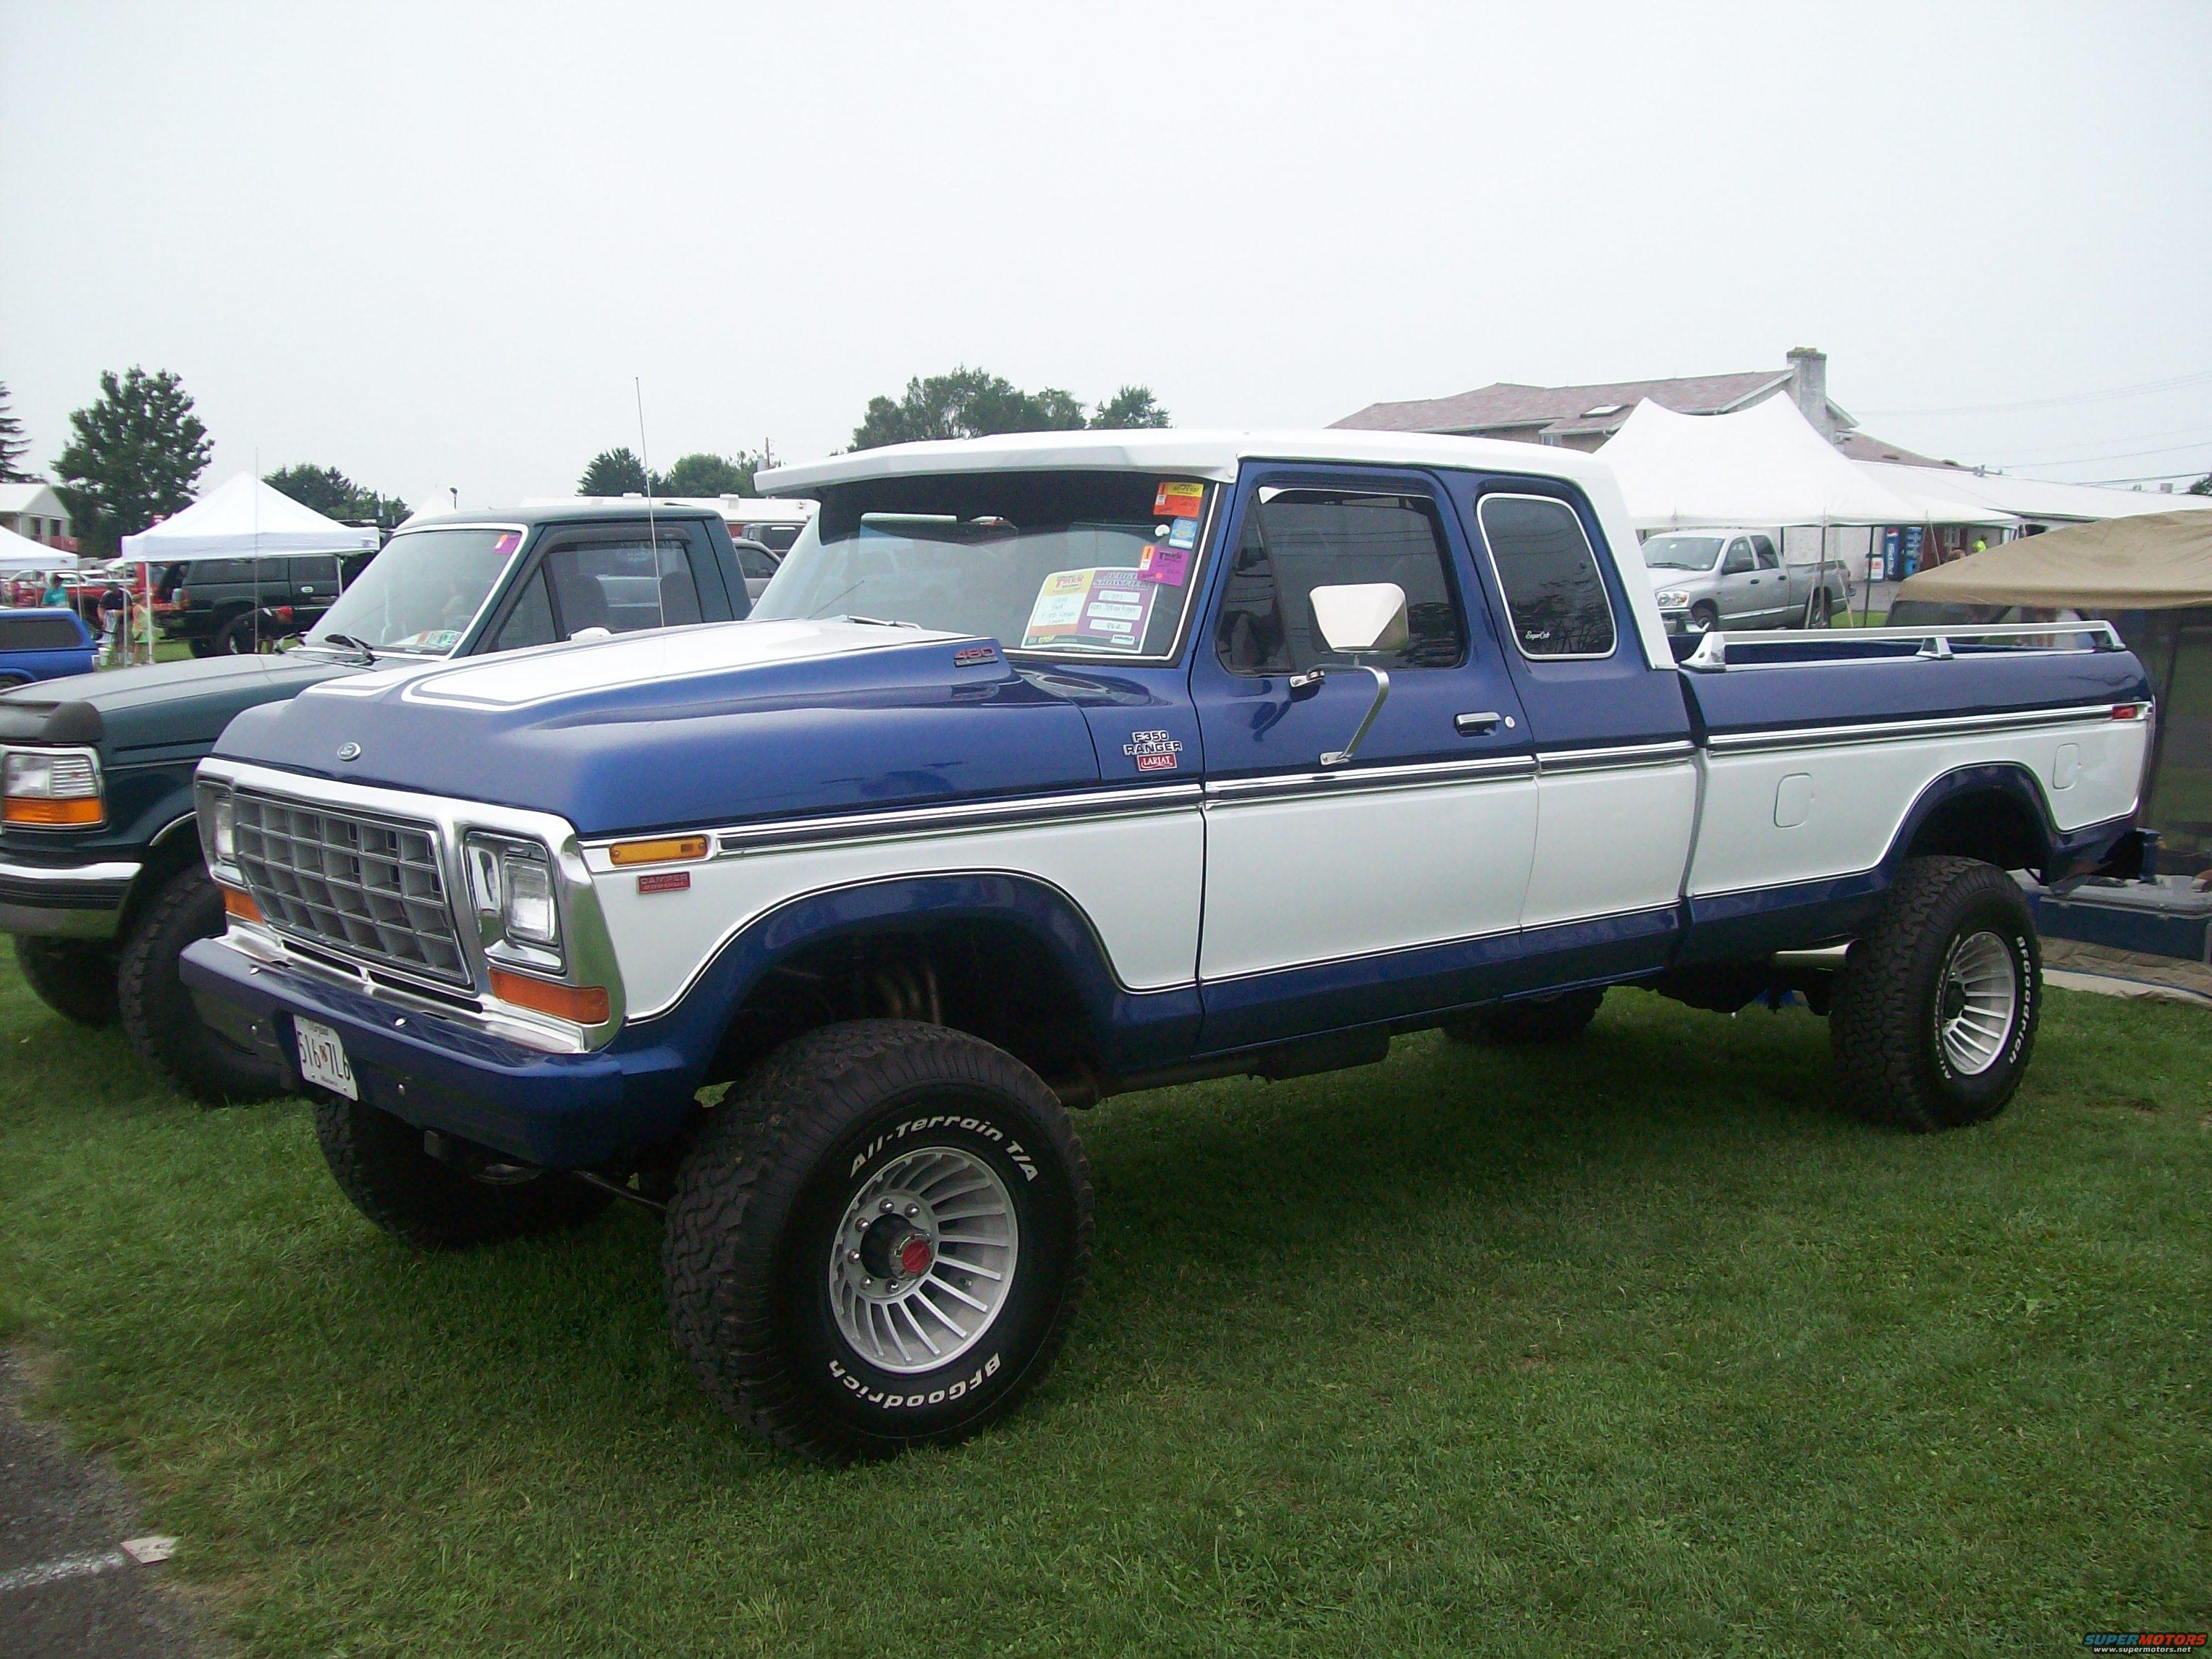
20,553
2041,500
240,518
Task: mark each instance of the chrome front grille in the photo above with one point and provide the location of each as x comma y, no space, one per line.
368,887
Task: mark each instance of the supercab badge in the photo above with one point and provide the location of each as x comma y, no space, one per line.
1153,751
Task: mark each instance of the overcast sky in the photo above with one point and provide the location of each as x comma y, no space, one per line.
432,246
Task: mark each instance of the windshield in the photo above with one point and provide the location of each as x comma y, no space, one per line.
1072,563
420,594
1681,552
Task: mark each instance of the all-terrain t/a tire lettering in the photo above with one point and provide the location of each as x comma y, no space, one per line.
880,1241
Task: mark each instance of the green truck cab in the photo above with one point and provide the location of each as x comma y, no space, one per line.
101,880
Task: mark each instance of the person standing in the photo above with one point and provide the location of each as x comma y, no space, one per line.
114,611
57,591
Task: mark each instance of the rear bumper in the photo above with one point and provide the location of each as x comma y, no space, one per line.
563,1111
66,901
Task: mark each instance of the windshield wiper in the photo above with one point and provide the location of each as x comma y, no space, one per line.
368,652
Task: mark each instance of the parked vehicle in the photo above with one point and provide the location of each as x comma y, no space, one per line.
45,644
1049,770
100,876
228,607
1730,577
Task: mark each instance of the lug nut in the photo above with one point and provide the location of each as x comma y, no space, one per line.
889,1207
852,1255
913,1209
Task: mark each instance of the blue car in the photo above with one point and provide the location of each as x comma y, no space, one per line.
45,644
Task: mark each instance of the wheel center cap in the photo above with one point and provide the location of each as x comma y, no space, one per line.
915,1256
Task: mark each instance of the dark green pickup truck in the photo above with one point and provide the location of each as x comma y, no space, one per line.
101,881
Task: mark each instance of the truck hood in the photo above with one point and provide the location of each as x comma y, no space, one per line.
722,723
138,714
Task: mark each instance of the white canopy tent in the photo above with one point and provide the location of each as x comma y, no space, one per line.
2016,499
20,553
241,519
1761,466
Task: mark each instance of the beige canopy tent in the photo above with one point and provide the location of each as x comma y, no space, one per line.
2157,562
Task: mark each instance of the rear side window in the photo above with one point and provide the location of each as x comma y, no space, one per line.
1296,540
1765,548
39,630
1553,588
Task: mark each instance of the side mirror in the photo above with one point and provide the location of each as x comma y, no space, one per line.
1355,618
1359,617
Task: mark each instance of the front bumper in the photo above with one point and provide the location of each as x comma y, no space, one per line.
563,1111
66,901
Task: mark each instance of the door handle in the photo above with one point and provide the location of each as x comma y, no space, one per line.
1477,726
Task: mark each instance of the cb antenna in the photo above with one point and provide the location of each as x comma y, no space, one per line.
652,527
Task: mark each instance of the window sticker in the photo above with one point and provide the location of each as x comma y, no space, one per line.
1178,500
1093,610
1169,566
1184,534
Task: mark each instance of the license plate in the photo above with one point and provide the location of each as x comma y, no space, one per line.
322,1058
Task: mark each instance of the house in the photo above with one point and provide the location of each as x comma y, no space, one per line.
34,511
1584,416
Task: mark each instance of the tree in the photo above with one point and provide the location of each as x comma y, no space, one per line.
13,446
136,455
2202,486
968,403
1132,407
332,494
709,475
613,473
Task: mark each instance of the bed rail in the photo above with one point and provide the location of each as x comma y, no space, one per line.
1779,648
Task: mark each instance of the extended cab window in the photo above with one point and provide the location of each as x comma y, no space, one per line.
1552,587
1296,540
1069,563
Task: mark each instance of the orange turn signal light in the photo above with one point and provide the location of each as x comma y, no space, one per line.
241,905
66,814
669,849
587,1005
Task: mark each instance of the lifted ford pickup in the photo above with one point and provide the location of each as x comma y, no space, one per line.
1056,766
100,876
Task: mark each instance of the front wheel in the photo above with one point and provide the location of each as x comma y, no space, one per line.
880,1241
1935,1009
1704,616
75,977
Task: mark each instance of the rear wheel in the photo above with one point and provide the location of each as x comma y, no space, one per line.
74,977
238,638
880,1241
1561,1018
159,1017
1816,614
1935,1009
471,1197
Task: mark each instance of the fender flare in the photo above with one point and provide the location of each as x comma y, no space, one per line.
2009,778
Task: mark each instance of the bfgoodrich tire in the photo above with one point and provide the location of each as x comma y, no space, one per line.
159,1017
381,1163
1561,1018
880,1241
74,977
1935,1009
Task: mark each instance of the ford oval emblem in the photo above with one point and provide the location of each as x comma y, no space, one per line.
349,751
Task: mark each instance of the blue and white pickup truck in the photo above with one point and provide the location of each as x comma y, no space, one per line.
1057,766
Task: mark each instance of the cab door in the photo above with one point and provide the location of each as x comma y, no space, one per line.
1739,591
1341,893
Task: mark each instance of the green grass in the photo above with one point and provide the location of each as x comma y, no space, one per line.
1641,1346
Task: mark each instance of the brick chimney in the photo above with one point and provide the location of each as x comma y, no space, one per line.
1808,388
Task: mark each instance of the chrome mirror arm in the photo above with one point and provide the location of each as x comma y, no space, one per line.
1340,757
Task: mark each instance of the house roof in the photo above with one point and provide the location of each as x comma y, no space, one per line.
1860,446
36,496
1561,410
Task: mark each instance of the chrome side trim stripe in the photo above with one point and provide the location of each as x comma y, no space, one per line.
1553,762
965,817
1286,786
1823,736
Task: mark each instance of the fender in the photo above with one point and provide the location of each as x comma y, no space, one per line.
1730,927
1130,1030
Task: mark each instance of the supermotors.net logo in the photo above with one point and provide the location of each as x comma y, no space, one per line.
2113,1641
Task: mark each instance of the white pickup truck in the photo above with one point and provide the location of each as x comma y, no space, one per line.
1056,766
